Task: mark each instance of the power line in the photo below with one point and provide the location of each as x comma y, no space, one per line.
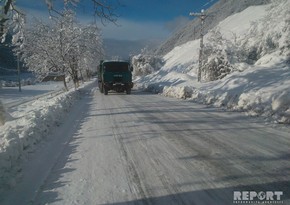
207,3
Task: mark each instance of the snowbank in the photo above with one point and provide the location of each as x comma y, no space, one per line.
260,91
28,128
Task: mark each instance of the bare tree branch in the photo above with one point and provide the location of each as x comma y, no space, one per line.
103,9
7,6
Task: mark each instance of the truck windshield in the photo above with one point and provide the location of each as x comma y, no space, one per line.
116,66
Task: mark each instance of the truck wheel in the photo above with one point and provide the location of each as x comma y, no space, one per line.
128,91
101,88
105,90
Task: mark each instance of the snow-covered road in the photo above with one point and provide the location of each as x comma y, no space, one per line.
148,149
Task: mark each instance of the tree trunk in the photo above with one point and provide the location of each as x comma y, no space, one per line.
64,83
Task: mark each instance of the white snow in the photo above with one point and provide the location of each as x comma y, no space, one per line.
262,89
239,23
30,122
148,149
10,95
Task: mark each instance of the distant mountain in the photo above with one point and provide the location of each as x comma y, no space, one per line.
218,12
124,48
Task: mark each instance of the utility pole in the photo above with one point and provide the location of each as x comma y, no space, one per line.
202,17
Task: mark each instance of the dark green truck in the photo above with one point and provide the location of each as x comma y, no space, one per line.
115,75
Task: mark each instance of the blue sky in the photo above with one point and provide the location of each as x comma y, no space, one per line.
138,19
159,10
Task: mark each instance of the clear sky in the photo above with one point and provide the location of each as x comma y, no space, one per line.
138,19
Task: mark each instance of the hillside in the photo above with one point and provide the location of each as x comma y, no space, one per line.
121,48
247,53
218,12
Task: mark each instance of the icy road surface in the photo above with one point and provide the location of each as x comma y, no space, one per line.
147,149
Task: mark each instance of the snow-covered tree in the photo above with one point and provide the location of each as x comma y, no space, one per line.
62,47
91,50
146,63
272,32
219,54
11,16
267,35
11,19
41,52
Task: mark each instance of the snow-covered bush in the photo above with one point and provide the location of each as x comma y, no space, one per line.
145,63
216,68
219,54
269,34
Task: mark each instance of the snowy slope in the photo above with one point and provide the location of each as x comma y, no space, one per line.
261,89
218,12
239,23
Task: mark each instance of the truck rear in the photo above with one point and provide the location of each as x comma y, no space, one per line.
115,75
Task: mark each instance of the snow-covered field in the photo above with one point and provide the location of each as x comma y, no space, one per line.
36,111
11,95
262,88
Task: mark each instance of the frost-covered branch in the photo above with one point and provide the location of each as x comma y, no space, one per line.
146,63
11,18
105,11
64,47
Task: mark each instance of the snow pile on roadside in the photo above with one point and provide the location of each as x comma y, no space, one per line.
261,89
24,131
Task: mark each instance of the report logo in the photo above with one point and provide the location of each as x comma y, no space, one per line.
262,197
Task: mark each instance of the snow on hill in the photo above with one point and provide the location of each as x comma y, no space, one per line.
218,12
257,47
